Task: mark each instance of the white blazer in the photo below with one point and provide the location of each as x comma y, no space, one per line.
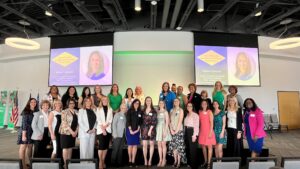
101,119
83,123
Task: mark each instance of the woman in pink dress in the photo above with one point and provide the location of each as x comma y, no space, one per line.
206,135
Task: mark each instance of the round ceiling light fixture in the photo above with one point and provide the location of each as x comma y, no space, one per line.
22,43
286,43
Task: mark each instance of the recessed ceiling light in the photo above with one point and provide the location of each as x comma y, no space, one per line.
153,2
179,28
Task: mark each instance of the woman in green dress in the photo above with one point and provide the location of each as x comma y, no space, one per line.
162,133
219,129
219,94
115,98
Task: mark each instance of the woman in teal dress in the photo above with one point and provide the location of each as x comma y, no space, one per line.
219,94
219,129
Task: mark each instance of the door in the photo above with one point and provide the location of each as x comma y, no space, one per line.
289,108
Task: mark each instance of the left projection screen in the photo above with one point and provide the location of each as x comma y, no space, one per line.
81,60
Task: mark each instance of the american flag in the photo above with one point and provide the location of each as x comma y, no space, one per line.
15,111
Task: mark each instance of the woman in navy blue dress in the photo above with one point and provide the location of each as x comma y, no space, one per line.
134,121
25,131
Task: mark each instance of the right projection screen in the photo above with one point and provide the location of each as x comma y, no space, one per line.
232,59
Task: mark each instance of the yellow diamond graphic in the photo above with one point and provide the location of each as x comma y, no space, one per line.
65,59
211,57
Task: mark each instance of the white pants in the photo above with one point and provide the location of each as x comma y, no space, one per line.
87,145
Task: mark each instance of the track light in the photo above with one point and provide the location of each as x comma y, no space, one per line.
259,12
48,13
200,6
137,5
153,2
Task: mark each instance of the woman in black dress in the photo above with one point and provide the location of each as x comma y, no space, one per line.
25,131
71,93
68,129
104,116
148,129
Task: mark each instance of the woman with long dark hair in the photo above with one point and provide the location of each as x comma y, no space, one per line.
191,124
86,93
71,93
134,121
148,129
25,131
128,98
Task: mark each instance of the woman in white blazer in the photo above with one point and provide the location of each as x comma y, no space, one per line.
104,119
87,129
39,125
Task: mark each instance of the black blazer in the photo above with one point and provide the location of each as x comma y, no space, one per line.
239,120
196,101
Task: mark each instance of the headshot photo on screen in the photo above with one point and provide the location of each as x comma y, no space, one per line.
95,65
243,66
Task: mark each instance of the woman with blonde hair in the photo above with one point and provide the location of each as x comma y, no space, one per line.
138,94
162,133
87,129
219,94
234,128
95,66
39,125
243,66
104,116
68,129
54,121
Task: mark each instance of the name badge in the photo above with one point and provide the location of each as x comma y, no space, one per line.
150,114
41,116
121,118
252,115
140,115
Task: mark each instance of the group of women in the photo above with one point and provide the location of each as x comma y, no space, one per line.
179,124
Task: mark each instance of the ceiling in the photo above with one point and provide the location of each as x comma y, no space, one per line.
81,16
8,54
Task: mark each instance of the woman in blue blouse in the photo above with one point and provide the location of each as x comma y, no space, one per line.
167,96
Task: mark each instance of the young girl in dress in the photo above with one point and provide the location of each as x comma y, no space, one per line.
206,135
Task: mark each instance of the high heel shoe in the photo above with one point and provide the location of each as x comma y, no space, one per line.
204,165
